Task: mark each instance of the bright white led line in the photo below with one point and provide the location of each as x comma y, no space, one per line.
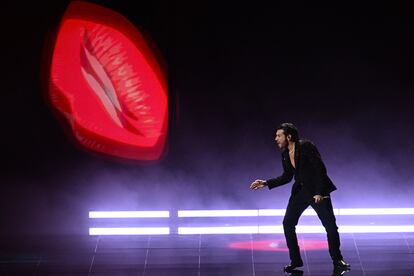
377,229
218,213
129,214
341,229
130,231
376,211
253,229
278,229
281,212
218,230
247,213
344,211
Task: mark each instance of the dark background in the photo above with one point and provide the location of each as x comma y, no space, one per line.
342,74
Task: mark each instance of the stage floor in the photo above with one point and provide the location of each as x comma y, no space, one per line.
213,254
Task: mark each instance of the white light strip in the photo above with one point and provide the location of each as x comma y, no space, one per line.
344,211
281,212
273,212
376,211
247,213
218,230
218,213
377,229
129,214
278,229
130,231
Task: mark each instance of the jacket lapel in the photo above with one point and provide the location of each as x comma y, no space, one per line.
297,155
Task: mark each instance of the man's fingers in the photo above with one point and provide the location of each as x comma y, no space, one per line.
255,186
258,183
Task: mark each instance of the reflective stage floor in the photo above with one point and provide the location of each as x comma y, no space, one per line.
203,254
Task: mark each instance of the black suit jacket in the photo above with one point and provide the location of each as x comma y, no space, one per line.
310,170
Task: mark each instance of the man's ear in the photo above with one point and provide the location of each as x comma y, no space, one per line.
289,137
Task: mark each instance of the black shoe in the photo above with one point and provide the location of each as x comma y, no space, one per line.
338,271
341,264
296,272
292,266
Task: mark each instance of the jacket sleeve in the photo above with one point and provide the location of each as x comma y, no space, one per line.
317,164
286,177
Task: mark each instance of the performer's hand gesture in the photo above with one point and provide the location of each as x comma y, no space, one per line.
257,184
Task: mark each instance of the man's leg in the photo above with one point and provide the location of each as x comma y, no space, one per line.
297,204
326,215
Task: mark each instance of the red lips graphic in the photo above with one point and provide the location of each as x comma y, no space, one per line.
107,83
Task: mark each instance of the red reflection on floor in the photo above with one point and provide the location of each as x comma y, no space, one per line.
107,83
278,245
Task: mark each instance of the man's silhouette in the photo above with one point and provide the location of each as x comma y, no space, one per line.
301,158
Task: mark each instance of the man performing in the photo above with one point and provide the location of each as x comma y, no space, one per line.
312,187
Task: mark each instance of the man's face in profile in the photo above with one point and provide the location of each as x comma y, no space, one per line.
280,139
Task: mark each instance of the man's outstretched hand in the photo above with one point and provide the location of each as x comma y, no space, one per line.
257,184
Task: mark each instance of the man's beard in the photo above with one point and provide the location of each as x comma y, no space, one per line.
283,146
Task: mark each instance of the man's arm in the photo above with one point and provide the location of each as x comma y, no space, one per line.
286,177
316,162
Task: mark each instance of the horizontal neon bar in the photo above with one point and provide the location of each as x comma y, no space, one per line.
278,229
218,213
281,212
344,211
218,230
129,214
376,211
130,231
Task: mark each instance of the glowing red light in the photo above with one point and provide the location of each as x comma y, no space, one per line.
278,245
106,82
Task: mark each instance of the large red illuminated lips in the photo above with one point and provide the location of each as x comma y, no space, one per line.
106,82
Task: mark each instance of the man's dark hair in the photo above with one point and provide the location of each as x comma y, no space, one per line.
289,128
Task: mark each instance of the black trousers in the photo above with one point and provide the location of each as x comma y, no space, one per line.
298,202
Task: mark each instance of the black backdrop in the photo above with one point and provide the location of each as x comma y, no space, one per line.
342,74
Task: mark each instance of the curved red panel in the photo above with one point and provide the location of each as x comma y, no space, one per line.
106,82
